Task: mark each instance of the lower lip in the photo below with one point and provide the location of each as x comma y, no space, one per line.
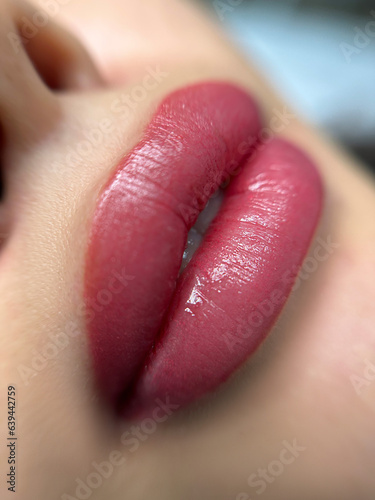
155,335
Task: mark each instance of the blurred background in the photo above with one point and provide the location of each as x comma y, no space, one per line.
319,54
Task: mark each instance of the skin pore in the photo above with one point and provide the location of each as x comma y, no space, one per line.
311,386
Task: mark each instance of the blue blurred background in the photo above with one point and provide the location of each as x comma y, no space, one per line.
320,55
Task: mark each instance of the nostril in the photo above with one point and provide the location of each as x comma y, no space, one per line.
48,57
58,57
45,63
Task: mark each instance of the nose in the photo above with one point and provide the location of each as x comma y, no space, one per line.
39,61
38,58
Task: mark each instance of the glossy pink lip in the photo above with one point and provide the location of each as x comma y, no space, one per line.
154,335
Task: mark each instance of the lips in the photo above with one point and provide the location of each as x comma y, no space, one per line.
155,334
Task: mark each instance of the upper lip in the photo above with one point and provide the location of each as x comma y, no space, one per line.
198,135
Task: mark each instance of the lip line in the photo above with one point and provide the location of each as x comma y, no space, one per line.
129,328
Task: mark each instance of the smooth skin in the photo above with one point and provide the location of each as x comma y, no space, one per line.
311,383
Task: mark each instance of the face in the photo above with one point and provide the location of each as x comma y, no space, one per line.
296,420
